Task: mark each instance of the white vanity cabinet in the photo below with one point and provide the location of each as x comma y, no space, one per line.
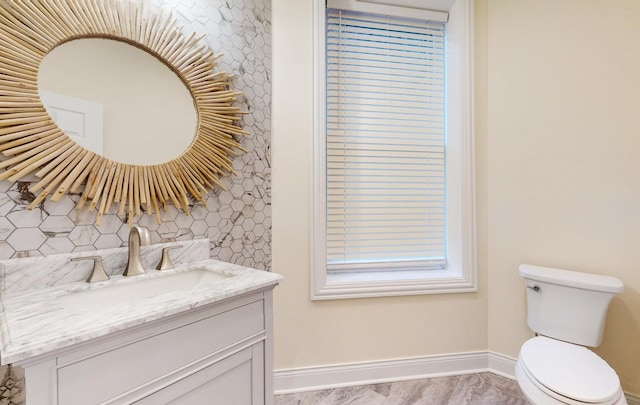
219,353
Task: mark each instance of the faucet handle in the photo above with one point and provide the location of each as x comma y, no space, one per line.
98,273
165,262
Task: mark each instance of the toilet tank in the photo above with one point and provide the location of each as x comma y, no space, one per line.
568,305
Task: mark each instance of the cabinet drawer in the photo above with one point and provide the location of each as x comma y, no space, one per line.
106,375
223,383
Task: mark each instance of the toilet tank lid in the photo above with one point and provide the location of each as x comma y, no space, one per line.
570,278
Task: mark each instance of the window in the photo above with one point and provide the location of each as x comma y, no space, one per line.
393,161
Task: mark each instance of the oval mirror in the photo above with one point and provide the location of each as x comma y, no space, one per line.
32,142
117,100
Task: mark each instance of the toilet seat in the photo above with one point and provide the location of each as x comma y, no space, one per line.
569,373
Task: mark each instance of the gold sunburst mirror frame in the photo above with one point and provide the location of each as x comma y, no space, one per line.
33,143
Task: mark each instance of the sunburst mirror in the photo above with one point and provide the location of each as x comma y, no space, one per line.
33,143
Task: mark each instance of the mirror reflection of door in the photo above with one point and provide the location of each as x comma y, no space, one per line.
149,114
80,119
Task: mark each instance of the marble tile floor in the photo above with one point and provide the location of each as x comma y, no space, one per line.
471,389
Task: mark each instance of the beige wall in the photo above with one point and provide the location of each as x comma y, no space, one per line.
564,159
558,184
343,331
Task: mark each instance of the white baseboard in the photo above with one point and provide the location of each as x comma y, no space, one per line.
324,377
633,399
346,375
501,365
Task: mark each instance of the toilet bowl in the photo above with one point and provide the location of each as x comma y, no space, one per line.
552,372
567,310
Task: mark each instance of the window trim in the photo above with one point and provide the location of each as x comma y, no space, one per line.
461,274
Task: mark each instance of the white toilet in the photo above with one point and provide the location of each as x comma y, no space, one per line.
567,310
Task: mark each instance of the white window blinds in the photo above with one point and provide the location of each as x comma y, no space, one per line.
385,142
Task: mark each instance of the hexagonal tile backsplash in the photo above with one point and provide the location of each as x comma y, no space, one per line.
237,221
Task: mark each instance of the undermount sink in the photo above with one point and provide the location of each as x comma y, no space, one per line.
127,291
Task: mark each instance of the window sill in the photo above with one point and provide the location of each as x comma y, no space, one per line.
392,283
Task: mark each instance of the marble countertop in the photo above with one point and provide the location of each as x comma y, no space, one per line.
33,322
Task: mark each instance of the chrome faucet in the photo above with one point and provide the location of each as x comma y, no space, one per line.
138,236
